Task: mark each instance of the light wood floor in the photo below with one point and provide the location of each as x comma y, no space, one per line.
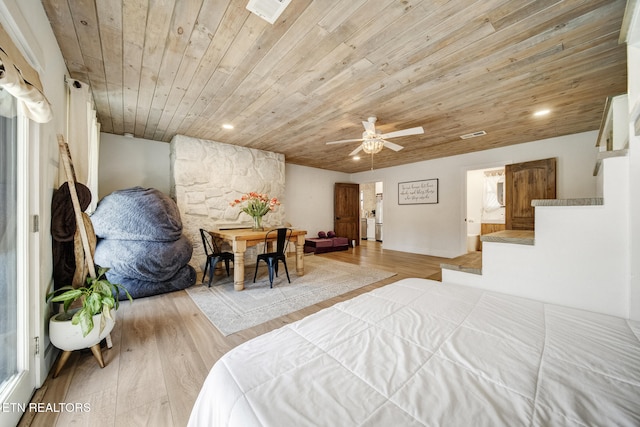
163,348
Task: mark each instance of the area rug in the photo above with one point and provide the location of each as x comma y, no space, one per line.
231,311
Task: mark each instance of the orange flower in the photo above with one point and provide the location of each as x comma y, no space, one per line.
257,204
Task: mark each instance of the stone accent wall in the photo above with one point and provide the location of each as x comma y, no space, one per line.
206,176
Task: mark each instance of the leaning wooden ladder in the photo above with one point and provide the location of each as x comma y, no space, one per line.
65,157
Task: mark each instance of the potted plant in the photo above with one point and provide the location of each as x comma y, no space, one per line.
256,205
75,329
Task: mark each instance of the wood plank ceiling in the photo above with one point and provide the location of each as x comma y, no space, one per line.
159,68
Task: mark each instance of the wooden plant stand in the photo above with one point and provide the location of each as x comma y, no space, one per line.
65,157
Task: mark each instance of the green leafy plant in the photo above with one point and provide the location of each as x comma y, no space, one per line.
98,296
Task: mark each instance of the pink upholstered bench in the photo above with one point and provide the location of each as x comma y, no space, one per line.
320,246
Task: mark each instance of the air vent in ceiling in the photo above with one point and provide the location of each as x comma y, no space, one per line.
473,135
269,10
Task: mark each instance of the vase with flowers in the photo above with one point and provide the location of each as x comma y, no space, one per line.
256,205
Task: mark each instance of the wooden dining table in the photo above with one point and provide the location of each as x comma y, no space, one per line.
241,239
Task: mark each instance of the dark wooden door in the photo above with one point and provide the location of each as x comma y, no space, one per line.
525,182
346,211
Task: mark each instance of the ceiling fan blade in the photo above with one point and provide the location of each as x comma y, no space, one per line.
404,132
356,151
369,127
344,140
393,146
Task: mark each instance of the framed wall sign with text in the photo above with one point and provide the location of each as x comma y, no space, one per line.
418,192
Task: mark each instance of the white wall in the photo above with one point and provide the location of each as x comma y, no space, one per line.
439,229
52,77
130,162
309,197
474,201
633,66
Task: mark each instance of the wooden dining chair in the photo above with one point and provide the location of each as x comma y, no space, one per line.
272,258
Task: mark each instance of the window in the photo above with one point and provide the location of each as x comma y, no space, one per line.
17,373
8,240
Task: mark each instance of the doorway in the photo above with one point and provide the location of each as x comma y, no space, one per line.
346,211
499,198
485,204
371,211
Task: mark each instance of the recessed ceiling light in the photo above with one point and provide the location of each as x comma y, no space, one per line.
541,113
356,158
227,126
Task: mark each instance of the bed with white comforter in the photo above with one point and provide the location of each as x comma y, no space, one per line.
422,353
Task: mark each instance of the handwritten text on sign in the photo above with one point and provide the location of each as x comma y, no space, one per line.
417,192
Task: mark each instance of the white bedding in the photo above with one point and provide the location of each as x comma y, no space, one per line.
418,352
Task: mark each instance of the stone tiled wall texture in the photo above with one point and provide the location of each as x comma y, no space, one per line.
206,176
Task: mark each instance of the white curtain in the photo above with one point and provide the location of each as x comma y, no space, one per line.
490,202
20,79
83,137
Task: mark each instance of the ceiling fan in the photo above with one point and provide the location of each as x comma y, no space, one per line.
373,142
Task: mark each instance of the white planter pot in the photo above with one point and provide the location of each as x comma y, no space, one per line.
66,336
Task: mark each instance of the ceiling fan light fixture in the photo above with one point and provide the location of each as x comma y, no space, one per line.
372,146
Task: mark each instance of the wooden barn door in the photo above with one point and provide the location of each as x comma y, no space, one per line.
525,182
346,211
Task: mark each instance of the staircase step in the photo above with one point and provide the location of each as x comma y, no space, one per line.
587,201
468,263
606,155
518,237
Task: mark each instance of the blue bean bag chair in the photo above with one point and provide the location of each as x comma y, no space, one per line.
137,214
139,288
140,240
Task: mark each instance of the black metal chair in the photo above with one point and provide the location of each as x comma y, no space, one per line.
214,255
272,258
